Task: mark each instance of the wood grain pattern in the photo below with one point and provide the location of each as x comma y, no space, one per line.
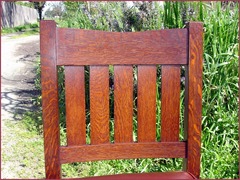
50,99
75,105
170,103
193,113
146,103
89,47
170,48
123,104
122,151
99,104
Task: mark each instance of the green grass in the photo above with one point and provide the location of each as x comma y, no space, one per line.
220,104
110,167
24,30
26,153
25,34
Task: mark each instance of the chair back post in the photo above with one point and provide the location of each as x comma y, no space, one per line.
193,98
50,99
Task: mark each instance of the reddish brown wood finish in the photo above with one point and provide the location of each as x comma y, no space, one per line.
123,104
75,105
193,113
122,151
146,103
170,104
100,49
50,99
144,176
104,48
99,104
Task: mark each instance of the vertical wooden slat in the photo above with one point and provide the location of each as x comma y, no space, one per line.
123,103
99,104
75,105
193,95
170,103
50,99
146,103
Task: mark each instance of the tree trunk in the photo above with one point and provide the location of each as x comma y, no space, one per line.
40,13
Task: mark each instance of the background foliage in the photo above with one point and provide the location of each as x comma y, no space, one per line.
220,81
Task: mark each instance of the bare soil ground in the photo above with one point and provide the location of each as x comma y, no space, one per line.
18,72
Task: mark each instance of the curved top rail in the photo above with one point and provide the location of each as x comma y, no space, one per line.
93,47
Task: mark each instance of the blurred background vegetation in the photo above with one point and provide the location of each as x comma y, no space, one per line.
219,158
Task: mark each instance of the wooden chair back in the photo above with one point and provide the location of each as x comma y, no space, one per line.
76,48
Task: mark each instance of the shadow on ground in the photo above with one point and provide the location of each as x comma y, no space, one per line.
19,102
18,90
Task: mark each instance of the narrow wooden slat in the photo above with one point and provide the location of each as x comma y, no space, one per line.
50,99
75,105
123,104
146,103
123,151
99,104
89,47
170,103
193,94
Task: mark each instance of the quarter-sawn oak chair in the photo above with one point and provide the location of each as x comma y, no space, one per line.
75,48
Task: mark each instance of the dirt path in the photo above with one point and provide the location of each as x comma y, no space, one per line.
18,68
17,74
